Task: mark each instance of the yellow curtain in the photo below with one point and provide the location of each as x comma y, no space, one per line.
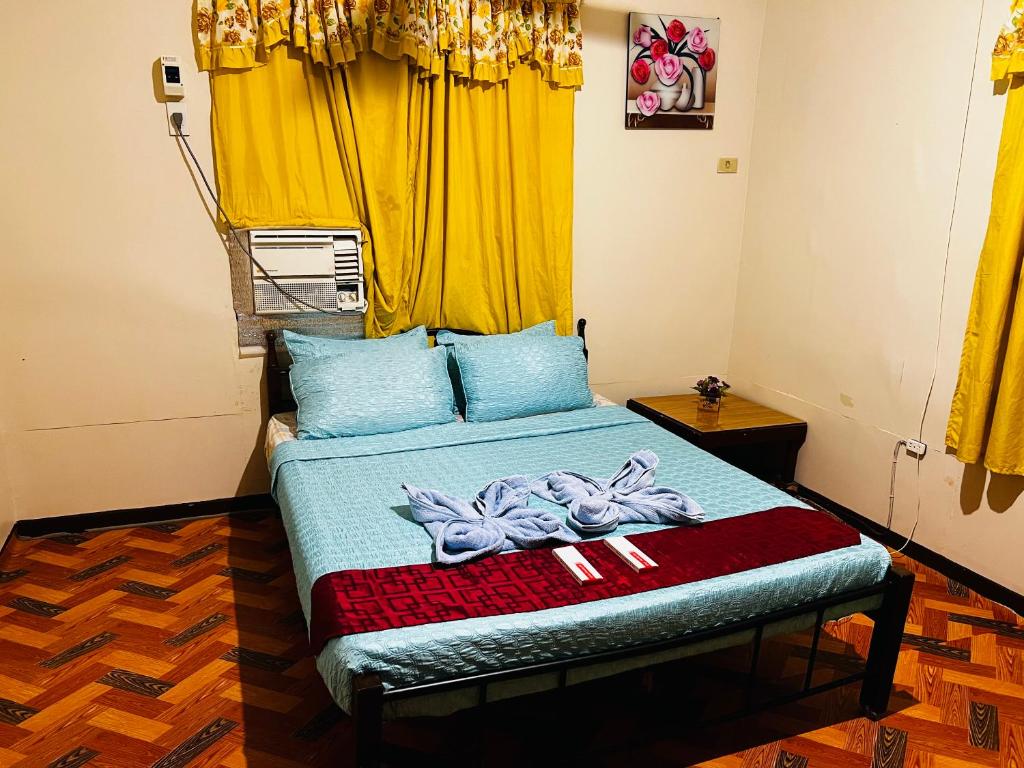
1008,55
278,158
986,420
463,189
462,186
470,209
480,40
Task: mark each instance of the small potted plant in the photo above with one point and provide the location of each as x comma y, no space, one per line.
711,390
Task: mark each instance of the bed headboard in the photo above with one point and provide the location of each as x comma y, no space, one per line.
279,390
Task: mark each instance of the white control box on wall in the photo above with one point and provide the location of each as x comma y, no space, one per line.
170,78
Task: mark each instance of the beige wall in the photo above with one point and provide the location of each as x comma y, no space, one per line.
121,381
657,229
852,195
122,384
6,502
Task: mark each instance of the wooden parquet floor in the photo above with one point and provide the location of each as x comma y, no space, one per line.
182,644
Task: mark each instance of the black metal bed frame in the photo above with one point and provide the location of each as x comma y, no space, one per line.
369,694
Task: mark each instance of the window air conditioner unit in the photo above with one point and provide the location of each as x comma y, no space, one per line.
321,267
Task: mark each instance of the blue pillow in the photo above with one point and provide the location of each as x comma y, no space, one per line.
523,376
370,393
303,348
448,339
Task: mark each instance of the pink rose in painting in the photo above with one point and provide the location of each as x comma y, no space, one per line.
642,36
668,68
640,70
648,103
707,59
697,41
676,30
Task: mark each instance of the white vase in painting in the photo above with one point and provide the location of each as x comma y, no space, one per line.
669,94
699,78
685,101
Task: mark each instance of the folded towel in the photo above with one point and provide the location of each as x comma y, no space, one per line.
630,496
498,520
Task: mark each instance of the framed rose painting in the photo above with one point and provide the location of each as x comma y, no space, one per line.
672,71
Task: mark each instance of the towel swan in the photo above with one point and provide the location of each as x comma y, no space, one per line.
598,506
497,520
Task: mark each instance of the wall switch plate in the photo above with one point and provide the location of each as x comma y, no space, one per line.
728,164
177,106
916,448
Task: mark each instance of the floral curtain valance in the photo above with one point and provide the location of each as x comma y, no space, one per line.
1008,56
475,39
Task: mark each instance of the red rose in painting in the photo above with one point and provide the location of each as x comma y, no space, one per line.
658,49
676,31
707,59
640,71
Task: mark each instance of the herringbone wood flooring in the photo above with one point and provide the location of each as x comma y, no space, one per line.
182,644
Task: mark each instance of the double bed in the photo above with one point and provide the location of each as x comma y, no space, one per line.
344,509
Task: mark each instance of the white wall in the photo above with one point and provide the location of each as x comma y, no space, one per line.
6,503
657,229
121,381
860,117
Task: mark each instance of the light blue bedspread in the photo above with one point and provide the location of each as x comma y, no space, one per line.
343,508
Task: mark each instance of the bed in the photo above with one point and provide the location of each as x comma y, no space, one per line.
343,509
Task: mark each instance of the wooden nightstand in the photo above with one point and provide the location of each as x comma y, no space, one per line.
755,438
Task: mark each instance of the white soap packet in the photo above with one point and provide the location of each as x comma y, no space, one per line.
630,553
581,569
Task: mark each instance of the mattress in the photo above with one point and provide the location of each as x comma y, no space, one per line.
343,508
283,427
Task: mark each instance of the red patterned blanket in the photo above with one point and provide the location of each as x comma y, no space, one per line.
349,602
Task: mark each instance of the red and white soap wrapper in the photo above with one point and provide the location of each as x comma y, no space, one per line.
629,552
580,568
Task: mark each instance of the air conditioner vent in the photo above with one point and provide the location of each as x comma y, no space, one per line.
322,294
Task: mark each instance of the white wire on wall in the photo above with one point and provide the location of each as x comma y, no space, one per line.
942,300
176,120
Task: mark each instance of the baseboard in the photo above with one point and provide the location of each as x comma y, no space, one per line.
119,518
48,526
983,585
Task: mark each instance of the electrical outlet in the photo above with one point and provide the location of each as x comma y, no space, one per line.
728,165
916,448
177,106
